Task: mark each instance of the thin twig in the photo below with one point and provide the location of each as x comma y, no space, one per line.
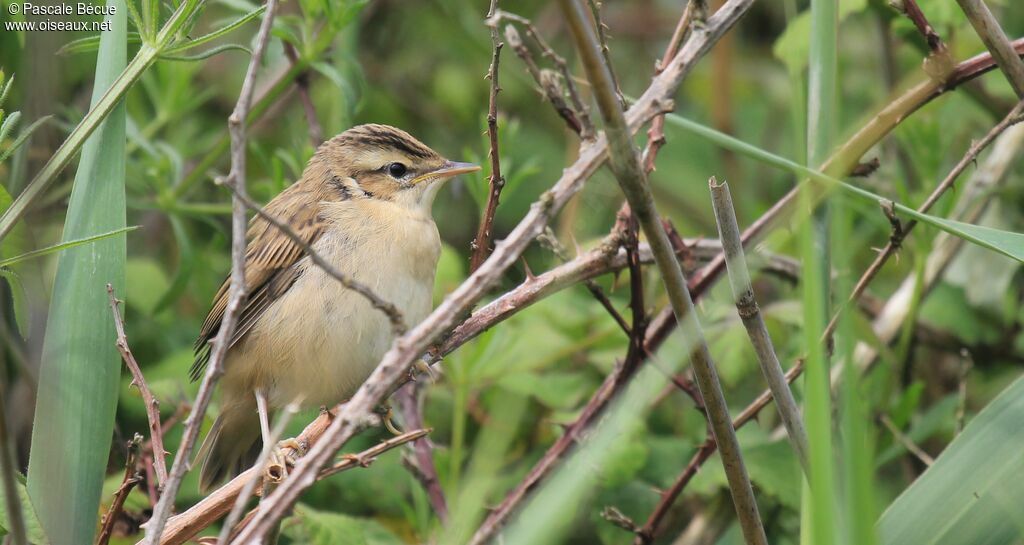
392,313
482,242
586,131
841,163
156,435
988,29
750,314
548,85
656,132
406,350
609,244
131,478
624,163
974,198
906,441
237,128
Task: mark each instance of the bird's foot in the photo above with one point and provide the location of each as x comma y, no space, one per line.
282,458
425,368
386,415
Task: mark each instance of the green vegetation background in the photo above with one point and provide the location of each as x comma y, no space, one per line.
420,66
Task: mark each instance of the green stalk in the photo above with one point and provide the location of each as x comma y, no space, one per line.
856,440
103,104
821,112
80,370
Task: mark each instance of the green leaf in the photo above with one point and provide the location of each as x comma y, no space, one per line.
206,38
91,43
206,54
63,246
80,368
322,528
974,493
22,137
32,526
8,124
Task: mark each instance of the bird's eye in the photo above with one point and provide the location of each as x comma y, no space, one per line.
396,170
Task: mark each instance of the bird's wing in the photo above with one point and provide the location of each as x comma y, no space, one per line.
271,267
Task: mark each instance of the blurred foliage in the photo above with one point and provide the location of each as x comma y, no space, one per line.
420,66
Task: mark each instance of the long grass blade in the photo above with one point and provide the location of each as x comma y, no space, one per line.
1004,242
79,373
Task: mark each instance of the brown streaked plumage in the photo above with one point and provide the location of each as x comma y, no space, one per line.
363,203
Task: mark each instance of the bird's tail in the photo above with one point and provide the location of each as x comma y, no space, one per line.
232,446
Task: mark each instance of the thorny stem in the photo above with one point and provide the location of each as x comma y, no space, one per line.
131,478
156,434
482,242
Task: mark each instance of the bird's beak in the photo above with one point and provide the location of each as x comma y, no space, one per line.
448,170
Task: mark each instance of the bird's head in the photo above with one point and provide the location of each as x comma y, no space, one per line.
382,162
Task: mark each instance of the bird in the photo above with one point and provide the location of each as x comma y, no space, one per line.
364,204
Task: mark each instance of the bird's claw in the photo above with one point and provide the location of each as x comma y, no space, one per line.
283,457
424,368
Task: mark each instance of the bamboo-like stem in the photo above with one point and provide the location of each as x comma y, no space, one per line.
406,350
988,29
750,314
156,435
482,242
237,125
624,162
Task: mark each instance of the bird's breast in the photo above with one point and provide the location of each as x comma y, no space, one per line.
321,340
